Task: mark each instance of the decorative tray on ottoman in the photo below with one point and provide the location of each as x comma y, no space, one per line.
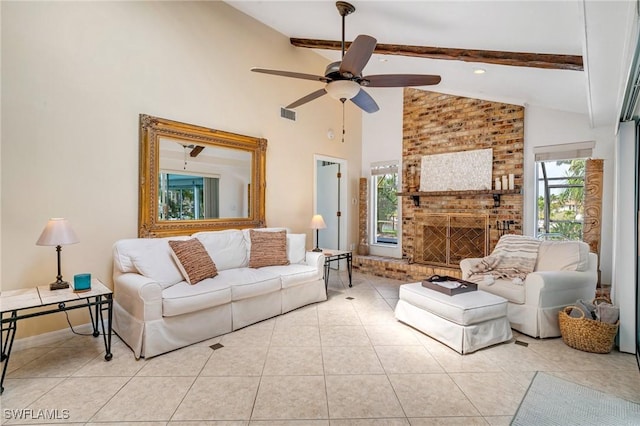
449,285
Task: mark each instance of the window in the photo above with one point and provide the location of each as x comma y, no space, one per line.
384,181
187,197
560,199
560,171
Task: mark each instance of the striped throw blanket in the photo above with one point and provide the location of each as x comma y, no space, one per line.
513,257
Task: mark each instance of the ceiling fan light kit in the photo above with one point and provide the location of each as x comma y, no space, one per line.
342,89
344,79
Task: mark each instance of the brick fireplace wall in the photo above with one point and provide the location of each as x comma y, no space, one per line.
436,123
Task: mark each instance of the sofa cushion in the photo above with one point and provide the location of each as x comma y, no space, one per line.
296,248
294,274
226,248
183,298
193,260
152,258
514,293
123,250
268,249
563,256
249,282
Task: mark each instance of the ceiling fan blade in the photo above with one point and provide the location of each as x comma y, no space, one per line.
358,55
365,102
196,150
311,96
291,74
402,80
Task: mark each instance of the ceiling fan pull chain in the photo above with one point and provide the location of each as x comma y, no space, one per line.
184,150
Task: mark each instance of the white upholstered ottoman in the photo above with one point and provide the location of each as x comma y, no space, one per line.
465,322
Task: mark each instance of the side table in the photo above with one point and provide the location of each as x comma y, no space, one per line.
16,305
335,256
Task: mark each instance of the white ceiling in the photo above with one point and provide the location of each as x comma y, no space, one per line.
519,26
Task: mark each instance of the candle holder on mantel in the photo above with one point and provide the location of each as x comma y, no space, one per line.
411,179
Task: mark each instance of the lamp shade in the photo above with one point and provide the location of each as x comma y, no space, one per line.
317,222
342,89
57,232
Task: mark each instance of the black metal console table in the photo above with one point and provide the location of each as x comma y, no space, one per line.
16,305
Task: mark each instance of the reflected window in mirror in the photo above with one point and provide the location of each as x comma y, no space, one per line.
202,182
186,197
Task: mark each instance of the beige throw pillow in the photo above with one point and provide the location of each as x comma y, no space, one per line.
193,260
268,249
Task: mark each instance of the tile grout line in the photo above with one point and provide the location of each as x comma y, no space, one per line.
195,379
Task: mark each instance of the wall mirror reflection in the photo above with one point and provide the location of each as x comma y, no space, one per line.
197,182
194,178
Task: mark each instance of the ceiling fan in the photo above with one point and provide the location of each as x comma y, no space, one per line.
344,79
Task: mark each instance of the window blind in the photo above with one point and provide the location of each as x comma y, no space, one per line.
566,151
384,168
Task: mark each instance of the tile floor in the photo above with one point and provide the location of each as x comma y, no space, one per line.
341,362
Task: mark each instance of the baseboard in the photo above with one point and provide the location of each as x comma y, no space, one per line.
46,339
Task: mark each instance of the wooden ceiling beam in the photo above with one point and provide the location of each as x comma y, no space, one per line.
516,59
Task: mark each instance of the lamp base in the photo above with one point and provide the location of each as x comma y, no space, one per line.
58,285
317,249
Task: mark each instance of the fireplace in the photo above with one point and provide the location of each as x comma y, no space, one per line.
444,239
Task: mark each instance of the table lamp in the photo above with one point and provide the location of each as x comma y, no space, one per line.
317,223
57,233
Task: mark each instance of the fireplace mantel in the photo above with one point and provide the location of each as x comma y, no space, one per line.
467,193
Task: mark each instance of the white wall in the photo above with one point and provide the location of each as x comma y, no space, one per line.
543,126
75,77
382,141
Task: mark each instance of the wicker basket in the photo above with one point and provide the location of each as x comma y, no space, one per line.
586,334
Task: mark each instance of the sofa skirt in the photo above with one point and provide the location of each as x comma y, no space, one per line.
255,309
170,333
128,328
303,294
535,321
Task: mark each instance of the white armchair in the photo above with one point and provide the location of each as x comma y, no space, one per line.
565,271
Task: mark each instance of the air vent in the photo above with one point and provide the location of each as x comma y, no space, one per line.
289,114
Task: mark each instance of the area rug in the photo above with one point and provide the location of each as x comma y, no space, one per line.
553,401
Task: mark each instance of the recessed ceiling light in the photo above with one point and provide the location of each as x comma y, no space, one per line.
383,59
479,70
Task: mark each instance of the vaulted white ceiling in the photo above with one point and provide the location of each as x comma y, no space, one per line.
597,30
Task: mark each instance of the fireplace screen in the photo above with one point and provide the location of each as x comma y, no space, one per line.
446,239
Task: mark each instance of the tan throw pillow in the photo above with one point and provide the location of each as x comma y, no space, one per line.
193,260
268,249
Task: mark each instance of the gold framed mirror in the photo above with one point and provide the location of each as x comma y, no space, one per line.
193,178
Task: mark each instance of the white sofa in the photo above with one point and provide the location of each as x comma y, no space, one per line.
156,310
564,272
